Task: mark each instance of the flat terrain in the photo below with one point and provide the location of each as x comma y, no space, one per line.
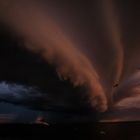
97,131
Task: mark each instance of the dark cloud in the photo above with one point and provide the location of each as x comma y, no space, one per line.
122,114
46,38
94,45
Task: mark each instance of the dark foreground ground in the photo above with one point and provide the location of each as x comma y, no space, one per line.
94,131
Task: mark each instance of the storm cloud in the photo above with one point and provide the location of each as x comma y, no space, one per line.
46,38
112,56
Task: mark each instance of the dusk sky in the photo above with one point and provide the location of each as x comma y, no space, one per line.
78,53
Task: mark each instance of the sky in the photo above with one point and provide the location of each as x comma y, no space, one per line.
74,45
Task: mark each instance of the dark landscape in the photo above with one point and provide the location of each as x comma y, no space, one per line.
101,131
